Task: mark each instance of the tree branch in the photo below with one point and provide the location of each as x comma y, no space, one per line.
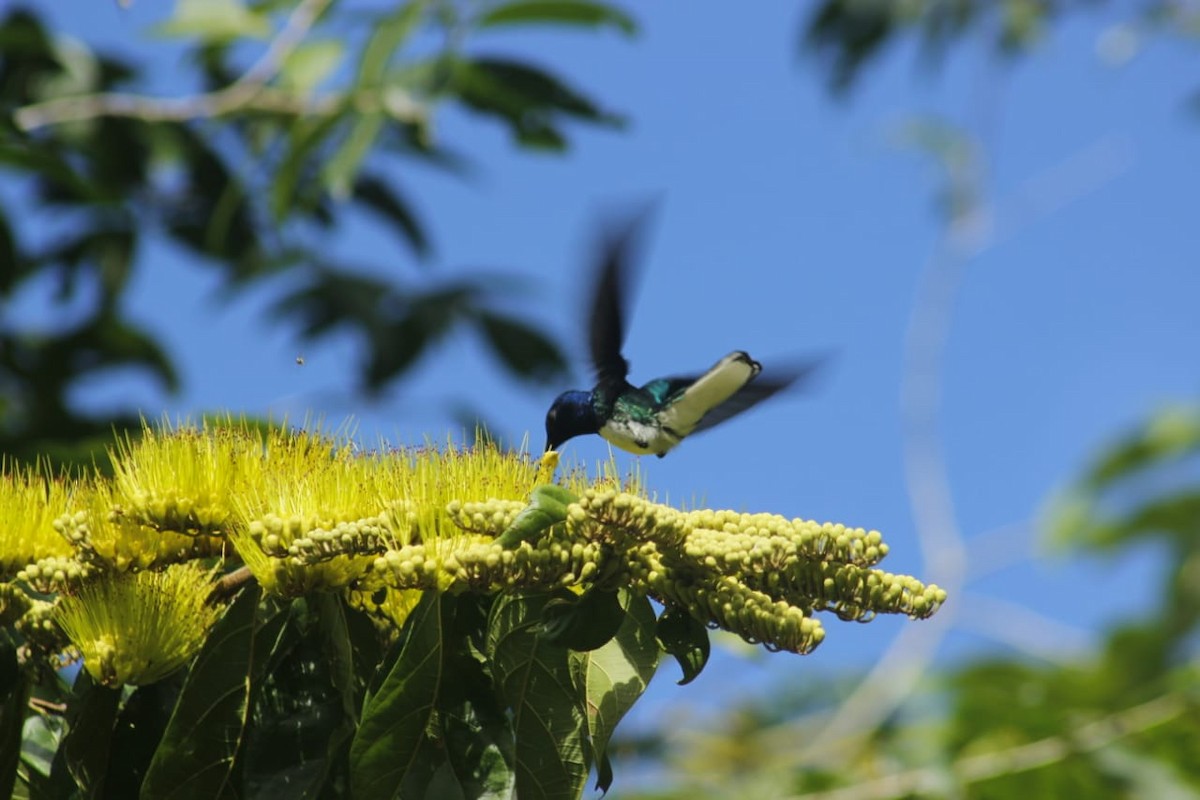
250,92
1021,758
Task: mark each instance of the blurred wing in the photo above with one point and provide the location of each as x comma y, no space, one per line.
606,325
759,389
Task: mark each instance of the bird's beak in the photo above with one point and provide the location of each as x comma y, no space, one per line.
549,447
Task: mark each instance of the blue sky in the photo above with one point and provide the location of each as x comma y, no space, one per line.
790,223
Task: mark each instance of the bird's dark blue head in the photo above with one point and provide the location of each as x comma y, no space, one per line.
571,415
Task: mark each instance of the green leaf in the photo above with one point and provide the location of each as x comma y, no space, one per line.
305,138
198,749
391,31
297,711
477,737
583,622
215,21
558,12
341,170
139,729
39,749
523,349
684,637
395,719
526,97
1167,436
14,697
9,255
86,747
310,64
613,677
387,202
534,680
53,167
547,506
343,673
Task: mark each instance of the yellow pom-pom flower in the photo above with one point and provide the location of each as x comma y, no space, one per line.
138,628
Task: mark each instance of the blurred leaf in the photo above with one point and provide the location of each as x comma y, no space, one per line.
847,35
850,34
213,216
106,247
534,680
390,32
109,342
11,268
196,756
683,636
311,63
1168,435
52,168
529,99
423,319
582,622
395,719
342,168
215,21
332,299
526,352
613,677
557,12
305,139
375,194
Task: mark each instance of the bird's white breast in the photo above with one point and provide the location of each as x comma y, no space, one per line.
638,437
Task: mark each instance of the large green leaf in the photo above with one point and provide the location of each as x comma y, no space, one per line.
613,677
583,622
14,694
298,713
198,749
394,721
86,747
140,726
558,12
534,680
477,736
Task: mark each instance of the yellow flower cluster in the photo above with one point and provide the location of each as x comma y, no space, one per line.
29,501
136,628
761,576
132,564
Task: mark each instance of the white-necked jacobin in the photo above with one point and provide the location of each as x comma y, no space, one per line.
655,417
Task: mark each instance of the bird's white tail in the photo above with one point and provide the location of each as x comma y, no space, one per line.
712,389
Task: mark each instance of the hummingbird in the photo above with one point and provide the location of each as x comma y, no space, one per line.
657,416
